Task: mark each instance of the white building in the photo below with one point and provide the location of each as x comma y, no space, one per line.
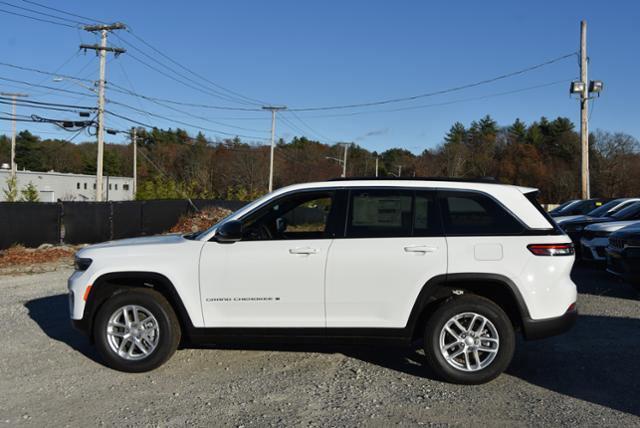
54,186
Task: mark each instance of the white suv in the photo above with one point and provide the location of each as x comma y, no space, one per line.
460,264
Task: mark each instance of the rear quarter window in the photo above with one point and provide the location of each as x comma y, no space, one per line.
476,214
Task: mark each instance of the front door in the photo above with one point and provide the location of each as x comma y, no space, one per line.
274,276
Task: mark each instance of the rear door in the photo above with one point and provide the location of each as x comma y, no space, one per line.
391,246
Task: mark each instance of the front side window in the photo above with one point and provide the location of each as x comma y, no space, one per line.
472,214
304,215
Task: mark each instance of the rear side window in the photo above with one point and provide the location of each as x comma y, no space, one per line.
380,213
386,213
472,214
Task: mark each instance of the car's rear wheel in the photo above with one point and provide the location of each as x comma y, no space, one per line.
469,340
136,330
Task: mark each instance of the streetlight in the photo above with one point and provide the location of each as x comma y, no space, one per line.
76,81
340,161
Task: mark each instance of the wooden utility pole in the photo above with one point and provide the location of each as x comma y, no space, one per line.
102,50
344,161
134,143
273,110
584,109
14,96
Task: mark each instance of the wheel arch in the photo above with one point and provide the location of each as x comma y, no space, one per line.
497,288
112,283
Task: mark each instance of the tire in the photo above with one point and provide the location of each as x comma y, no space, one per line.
160,343
493,357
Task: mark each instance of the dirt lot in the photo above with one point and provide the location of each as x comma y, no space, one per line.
50,375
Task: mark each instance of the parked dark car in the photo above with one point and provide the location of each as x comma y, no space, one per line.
623,255
575,227
577,207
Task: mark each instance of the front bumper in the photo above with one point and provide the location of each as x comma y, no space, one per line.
625,264
539,329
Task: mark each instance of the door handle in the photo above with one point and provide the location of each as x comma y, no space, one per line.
422,249
305,250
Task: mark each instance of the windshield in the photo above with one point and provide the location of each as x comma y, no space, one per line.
602,210
629,213
561,207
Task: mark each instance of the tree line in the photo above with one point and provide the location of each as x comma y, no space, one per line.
172,164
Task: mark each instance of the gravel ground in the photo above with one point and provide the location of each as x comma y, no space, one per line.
50,375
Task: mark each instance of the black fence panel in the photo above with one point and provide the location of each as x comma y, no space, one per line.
32,224
159,216
126,219
29,223
86,222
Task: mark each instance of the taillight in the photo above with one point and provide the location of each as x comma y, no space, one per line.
551,249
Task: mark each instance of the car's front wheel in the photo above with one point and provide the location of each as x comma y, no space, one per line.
469,340
136,330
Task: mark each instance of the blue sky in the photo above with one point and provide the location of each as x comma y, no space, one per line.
306,54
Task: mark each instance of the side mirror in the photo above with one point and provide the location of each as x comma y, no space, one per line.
231,231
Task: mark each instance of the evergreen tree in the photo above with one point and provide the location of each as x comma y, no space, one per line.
11,191
30,193
517,131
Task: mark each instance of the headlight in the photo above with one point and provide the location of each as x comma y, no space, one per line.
602,234
82,264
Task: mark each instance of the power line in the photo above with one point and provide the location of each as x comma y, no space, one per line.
24,101
444,103
199,86
41,107
439,92
306,125
238,96
188,85
41,13
252,100
140,110
48,73
125,91
35,85
191,125
62,11
37,19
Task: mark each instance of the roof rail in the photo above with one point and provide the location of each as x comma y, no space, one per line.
454,179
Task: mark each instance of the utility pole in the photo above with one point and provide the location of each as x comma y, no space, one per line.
376,166
344,161
584,87
102,50
14,96
584,109
273,110
399,170
134,143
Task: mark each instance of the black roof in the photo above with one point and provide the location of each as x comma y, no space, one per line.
453,179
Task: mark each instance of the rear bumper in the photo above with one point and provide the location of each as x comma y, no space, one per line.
539,329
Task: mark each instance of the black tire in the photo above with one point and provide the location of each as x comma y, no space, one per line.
168,327
478,305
